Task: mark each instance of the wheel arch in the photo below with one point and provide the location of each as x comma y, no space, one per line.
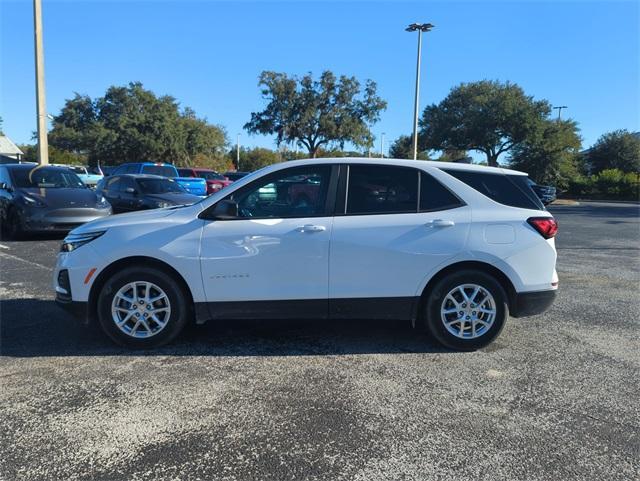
492,270
126,262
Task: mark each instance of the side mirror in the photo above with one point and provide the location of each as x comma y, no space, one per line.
223,210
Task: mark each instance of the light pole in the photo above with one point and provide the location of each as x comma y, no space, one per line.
41,108
559,109
419,27
382,145
238,153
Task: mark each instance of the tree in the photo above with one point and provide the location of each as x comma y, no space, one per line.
402,148
615,150
486,116
56,156
255,158
132,124
549,156
317,113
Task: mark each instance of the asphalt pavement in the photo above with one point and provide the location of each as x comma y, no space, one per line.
556,397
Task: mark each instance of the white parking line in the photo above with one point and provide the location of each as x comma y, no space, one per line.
9,256
3,247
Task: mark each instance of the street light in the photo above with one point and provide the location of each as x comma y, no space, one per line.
238,153
382,145
417,27
559,109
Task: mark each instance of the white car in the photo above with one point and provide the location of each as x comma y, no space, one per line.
453,248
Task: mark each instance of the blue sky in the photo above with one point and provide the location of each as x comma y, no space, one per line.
208,54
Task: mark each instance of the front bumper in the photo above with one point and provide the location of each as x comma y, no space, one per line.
60,220
532,303
79,310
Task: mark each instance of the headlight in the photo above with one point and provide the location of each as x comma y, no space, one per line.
161,204
73,241
102,203
31,202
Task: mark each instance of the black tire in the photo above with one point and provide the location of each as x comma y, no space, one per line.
432,309
14,229
179,300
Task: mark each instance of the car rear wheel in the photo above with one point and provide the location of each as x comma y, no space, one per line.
466,310
142,307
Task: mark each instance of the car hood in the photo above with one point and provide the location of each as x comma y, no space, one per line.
136,218
62,197
175,198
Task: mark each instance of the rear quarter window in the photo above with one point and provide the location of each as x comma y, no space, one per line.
511,190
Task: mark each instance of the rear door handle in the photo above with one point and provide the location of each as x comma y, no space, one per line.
440,223
311,228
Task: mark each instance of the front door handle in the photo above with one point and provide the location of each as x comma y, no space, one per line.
311,228
440,223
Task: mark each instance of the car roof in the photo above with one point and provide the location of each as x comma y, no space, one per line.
140,176
32,165
406,163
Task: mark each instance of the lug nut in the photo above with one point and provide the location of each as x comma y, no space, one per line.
468,318
474,313
461,313
137,314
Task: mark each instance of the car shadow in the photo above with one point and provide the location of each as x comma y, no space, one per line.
50,331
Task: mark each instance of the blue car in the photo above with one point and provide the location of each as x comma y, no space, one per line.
193,185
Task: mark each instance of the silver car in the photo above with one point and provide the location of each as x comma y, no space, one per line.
35,198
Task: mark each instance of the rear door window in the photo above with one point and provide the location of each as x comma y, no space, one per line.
511,190
382,189
434,196
163,170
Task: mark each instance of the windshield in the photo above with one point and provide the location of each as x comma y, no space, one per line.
160,186
210,175
46,178
162,170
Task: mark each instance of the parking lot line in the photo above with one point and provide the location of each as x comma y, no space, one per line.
9,256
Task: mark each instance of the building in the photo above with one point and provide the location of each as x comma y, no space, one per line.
9,152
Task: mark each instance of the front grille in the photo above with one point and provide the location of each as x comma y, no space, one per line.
63,281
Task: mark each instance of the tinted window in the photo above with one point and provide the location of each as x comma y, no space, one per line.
160,186
46,178
435,196
113,184
511,190
381,190
163,170
296,192
127,183
209,175
4,176
185,173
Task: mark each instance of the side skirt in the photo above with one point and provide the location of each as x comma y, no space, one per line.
391,308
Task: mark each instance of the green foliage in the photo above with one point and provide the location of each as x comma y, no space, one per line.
550,154
255,158
56,156
132,124
611,184
319,113
487,116
402,148
615,150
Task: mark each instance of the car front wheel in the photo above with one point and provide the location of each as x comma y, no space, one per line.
466,310
142,307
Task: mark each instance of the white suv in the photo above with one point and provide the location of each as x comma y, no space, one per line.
453,248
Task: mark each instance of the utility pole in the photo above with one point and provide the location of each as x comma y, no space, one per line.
41,107
238,153
382,145
559,109
419,27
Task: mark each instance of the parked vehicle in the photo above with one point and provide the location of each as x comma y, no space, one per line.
37,198
453,248
214,180
546,193
234,175
129,192
195,186
90,180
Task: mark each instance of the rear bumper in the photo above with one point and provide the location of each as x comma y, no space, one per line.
532,303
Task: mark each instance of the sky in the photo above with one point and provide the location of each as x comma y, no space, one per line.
209,54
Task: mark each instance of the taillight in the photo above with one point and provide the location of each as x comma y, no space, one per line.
547,227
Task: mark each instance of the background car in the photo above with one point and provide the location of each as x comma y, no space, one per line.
131,192
233,176
214,180
194,185
546,193
90,179
46,198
